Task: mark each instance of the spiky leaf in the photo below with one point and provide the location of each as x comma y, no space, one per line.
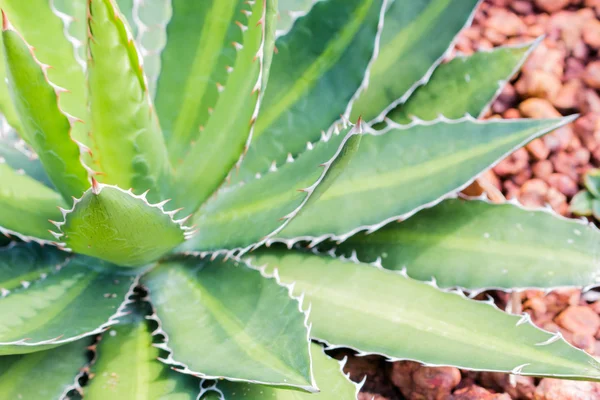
26,206
116,225
245,214
7,108
46,128
225,320
416,34
290,10
318,68
405,168
42,28
81,299
128,149
333,385
471,82
23,263
475,244
47,374
213,74
126,366
591,180
358,306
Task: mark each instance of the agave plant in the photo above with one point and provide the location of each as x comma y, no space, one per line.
182,230
586,202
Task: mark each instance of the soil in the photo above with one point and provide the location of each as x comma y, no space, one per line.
561,77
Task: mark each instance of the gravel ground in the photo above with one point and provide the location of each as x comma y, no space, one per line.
561,77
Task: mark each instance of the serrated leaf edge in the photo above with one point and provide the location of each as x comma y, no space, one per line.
67,20
402,99
184,369
314,240
97,188
294,15
58,90
112,320
524,318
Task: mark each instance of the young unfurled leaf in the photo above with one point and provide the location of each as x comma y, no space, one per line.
128,147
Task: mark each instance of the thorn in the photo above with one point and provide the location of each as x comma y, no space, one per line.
95,186
6,25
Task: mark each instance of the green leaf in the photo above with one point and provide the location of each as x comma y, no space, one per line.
318,68
47,374
465,85
43,29
129,148
333,385
416,35
127,368
225,320
596,209
22,263
404,168
591,180
73,14
82,299
46,128
214,71
126,8
115,225
475,244
245,215
581,204
26,206
7,108
21,158
378,311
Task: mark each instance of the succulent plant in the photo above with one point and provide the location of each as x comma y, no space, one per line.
204,197
586,203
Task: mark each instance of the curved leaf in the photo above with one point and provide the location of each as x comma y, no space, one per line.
318,68
416,35
288,11
225,320
43,29
581,204
128,147
405,168
118,226
26,206
465,85
7,108
209,90
474,245
126,366
47,374
23,159
333,385
247,214
379,311
22,263
591,180
46,128
82,299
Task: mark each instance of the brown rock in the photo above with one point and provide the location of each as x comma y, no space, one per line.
579,319
564,184
591,75
540,84
538,149
533,193
537,306
589,101
568,95
508,94
538,108
557,201
584,342
427,383
542,169
546,59
494,36
522,7
474,392
505,22
574,69
591,33
371,396
551,5
556,389
511,113
522,177
517,386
